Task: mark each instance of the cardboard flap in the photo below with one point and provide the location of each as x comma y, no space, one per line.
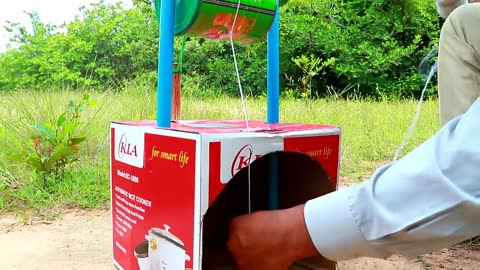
299,179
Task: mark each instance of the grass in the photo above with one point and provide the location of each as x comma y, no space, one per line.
372,131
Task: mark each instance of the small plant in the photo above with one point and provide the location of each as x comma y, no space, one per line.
55,145
311,66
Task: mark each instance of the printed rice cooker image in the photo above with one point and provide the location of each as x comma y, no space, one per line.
165,250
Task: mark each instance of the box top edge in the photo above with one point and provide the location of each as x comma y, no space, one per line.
208,127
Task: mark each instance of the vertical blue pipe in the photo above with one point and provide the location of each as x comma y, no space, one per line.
165,63
273,194
273,97
273,69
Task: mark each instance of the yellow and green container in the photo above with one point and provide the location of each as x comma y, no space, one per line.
213,19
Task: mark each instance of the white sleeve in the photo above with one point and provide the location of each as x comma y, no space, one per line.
445,7
426,201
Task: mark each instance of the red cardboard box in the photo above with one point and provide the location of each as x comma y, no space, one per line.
163,180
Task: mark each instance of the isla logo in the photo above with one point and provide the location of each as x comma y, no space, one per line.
243,158
126,148
129,144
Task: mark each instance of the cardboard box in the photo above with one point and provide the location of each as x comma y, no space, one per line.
168,178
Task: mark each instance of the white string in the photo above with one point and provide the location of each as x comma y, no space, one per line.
417,114
245,111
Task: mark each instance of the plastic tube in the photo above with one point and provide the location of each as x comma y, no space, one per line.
273,70
165,64
273,100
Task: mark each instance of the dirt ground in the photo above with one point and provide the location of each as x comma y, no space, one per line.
82,240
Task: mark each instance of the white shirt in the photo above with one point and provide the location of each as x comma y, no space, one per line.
445,7
426,201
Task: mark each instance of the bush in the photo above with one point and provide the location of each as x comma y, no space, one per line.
371,46
52,151
103,47
46,146
375,46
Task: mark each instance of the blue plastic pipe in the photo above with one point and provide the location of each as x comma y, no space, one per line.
273,100
273,70
273,194
165,64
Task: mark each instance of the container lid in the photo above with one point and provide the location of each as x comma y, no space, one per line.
185,14
166,234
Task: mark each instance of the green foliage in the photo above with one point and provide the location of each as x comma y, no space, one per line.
214,61
311,67
81,187
375,46
47,147
371,133
46,159
103,47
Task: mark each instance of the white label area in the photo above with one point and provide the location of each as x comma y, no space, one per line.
129,145
238,153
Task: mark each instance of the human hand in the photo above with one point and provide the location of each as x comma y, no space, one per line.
270,240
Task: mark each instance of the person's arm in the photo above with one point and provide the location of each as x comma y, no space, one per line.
426,201
445,7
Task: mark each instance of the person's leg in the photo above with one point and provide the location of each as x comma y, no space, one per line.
459,62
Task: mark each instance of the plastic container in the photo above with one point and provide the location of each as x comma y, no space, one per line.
213,19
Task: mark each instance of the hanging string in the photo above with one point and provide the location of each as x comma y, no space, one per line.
232,30
244,104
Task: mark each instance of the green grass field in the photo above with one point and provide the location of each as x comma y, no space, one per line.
372,131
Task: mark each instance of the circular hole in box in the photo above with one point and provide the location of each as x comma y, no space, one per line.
300,179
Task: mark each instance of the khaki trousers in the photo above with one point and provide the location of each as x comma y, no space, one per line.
459,62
